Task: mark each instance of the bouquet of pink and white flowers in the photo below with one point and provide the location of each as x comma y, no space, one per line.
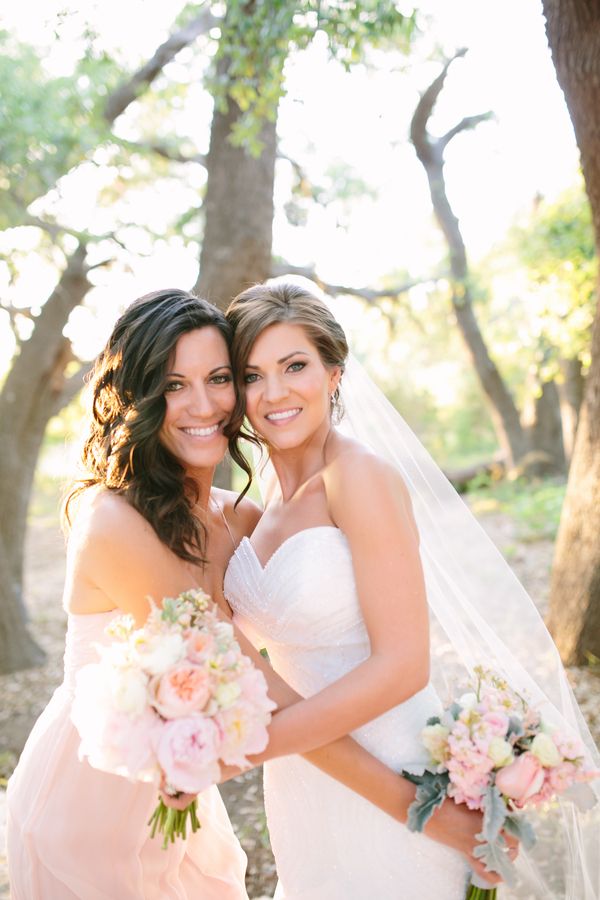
491,750
167,702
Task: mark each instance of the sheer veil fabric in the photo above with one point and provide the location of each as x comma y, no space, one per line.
481,615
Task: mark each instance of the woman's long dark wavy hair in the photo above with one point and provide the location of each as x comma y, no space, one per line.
122,451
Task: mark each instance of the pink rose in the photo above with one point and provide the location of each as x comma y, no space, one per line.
521,779
187,751
182,690
200,646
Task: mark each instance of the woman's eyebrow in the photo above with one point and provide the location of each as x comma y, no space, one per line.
212,371
282,360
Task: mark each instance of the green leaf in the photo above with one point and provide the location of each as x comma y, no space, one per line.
497,860
520,828
431,793
494,814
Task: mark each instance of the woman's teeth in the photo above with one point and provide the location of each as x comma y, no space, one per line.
275,417
202,432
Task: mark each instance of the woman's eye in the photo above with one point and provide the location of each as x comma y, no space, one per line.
250,378
221,379
173,386
296,366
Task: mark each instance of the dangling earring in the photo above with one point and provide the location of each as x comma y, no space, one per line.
336,406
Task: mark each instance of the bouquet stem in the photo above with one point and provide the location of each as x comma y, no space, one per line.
479,889
172,823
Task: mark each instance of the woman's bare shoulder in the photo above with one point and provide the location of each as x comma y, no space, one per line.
356,477
105,518
241,517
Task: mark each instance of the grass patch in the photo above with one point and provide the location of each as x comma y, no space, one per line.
535,506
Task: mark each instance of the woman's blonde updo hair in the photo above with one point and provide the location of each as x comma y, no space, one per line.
268,304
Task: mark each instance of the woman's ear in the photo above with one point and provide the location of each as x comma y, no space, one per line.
335,375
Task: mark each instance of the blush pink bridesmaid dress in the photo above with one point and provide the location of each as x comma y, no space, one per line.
75,832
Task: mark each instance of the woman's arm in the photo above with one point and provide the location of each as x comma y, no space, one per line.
352,765
369,503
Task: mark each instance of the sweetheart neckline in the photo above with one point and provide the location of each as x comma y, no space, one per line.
247,542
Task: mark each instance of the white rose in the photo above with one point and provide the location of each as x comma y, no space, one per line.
546,750
157,653
500,752
227,694
468,701
435,738
128,691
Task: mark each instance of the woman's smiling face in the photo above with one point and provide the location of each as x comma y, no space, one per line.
200,397
288,389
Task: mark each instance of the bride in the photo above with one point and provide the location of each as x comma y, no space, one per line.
332,585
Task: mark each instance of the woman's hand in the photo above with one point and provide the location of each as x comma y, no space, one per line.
178,800
457,826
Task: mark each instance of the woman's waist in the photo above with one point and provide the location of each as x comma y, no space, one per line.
395,736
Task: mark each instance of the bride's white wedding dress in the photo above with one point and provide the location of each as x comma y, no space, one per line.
329,843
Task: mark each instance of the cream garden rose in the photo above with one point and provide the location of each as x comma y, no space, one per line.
544,748
435,738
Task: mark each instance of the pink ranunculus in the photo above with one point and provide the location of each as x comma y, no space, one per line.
497,722
181,691
200,646
521,779
187,751
253,687
243,733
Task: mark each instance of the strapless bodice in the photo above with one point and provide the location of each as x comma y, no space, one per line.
302,606
84,633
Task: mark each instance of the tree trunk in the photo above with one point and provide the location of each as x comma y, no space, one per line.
430,152
32,393
570,391
573,29
543,426
238,209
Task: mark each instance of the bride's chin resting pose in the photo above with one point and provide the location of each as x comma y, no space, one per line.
145,521
331,584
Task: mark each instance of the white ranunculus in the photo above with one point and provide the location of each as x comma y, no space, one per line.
227,694
545,749
128,688
500,752
468,701
157,653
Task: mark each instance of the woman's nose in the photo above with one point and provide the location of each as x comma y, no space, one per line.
201,403
275,389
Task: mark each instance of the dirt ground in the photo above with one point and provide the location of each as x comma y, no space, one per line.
25,694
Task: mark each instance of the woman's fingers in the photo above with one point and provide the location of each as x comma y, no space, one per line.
176,800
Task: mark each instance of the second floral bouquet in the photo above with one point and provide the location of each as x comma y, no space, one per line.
168,702
491,750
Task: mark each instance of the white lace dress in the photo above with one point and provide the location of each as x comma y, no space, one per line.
329,843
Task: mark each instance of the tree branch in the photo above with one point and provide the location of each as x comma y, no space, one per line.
167,152
73,384
129,90
466,124
370,295
424,109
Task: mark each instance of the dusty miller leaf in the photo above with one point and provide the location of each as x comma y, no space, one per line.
494,856
494,814
521,829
